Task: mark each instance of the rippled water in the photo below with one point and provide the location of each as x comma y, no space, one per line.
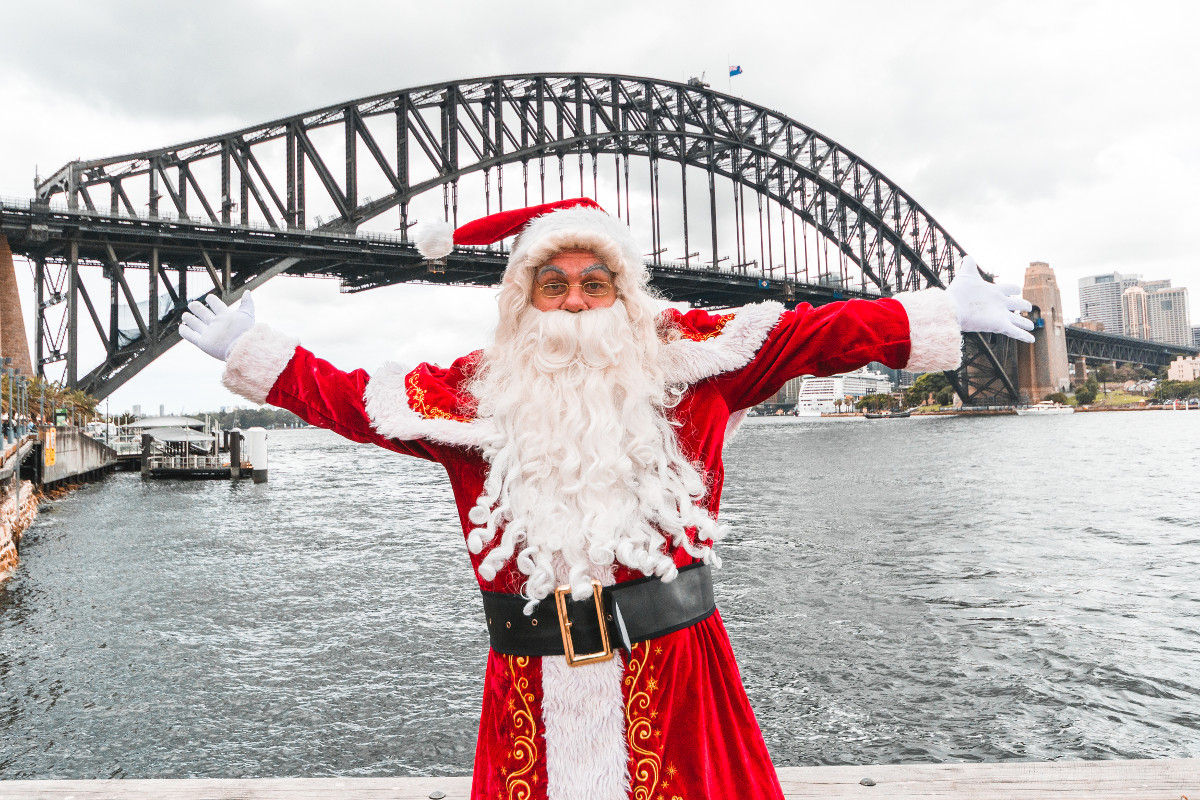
908,590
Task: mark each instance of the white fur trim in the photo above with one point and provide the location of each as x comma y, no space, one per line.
256,360
933,332
386,401
435,239
686,361
583,711
579,228
733,423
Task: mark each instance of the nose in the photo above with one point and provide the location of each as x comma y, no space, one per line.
575,300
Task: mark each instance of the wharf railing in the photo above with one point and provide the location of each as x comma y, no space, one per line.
29,404
187,462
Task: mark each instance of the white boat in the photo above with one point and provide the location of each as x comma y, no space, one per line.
1044,408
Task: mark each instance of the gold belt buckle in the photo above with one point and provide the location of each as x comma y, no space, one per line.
561,595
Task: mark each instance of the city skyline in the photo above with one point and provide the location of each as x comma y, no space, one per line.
1128,305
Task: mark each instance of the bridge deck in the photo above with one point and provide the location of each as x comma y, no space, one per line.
1060,780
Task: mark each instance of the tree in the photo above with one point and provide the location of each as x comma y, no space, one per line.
928,386
1085,395
1178,390
1058,397
876,402
39,394
1106,374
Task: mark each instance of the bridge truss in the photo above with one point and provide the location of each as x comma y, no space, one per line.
1098,346
738,203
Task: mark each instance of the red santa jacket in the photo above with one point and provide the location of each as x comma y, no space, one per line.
670,718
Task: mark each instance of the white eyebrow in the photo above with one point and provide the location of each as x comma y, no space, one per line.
551,268
592,268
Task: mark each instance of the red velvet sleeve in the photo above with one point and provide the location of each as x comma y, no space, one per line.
322,395
834,338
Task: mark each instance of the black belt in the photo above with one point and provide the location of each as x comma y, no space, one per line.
622,614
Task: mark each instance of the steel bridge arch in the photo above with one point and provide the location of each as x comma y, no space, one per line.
448,131
838,193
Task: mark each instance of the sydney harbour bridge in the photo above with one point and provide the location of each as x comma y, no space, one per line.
737,203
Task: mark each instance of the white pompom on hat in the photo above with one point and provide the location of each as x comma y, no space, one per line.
435,240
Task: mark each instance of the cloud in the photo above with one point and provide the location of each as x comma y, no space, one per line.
1061,131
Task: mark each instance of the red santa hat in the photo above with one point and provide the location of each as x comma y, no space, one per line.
543,230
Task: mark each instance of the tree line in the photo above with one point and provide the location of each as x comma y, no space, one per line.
237,418
256,418
37,399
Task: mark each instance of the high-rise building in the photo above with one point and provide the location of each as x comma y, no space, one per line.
1168,316
1100,299
1196,336
1136,312
1128,305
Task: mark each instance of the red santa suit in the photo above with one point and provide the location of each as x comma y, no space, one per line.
680,725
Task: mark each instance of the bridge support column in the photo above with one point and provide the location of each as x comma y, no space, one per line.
73,315
1079,374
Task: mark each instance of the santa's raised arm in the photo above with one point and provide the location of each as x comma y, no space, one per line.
583,446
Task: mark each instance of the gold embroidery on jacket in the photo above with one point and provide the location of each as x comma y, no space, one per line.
416,400
722,321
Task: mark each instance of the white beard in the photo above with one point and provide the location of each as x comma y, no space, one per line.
585,468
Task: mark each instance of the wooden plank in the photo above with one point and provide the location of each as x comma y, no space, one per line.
240,789
1059,780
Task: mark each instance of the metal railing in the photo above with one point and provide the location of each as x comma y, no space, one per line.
187,462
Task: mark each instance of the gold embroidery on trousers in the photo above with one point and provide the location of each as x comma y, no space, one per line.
645,743
524,751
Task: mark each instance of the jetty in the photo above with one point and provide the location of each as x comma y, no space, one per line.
1166,779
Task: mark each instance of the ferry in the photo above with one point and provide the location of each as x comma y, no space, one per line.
1044,408
895,413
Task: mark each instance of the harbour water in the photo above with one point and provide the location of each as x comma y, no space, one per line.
938,589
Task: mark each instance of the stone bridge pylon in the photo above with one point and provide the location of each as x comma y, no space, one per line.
14,343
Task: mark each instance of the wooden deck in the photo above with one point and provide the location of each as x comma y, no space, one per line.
1059,780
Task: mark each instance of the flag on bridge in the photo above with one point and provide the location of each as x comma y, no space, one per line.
734,70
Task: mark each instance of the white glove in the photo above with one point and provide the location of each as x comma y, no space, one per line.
215,328
988,308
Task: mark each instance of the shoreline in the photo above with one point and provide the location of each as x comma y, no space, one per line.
966,411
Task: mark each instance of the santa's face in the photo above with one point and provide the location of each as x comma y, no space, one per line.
573,280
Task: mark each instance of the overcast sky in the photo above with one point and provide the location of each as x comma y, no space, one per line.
1066,132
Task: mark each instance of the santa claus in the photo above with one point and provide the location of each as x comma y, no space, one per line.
584,451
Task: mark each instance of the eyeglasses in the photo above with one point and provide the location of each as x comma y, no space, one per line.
556,289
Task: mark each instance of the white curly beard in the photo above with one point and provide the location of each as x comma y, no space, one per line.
585,468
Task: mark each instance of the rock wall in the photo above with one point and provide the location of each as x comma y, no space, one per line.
17,510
